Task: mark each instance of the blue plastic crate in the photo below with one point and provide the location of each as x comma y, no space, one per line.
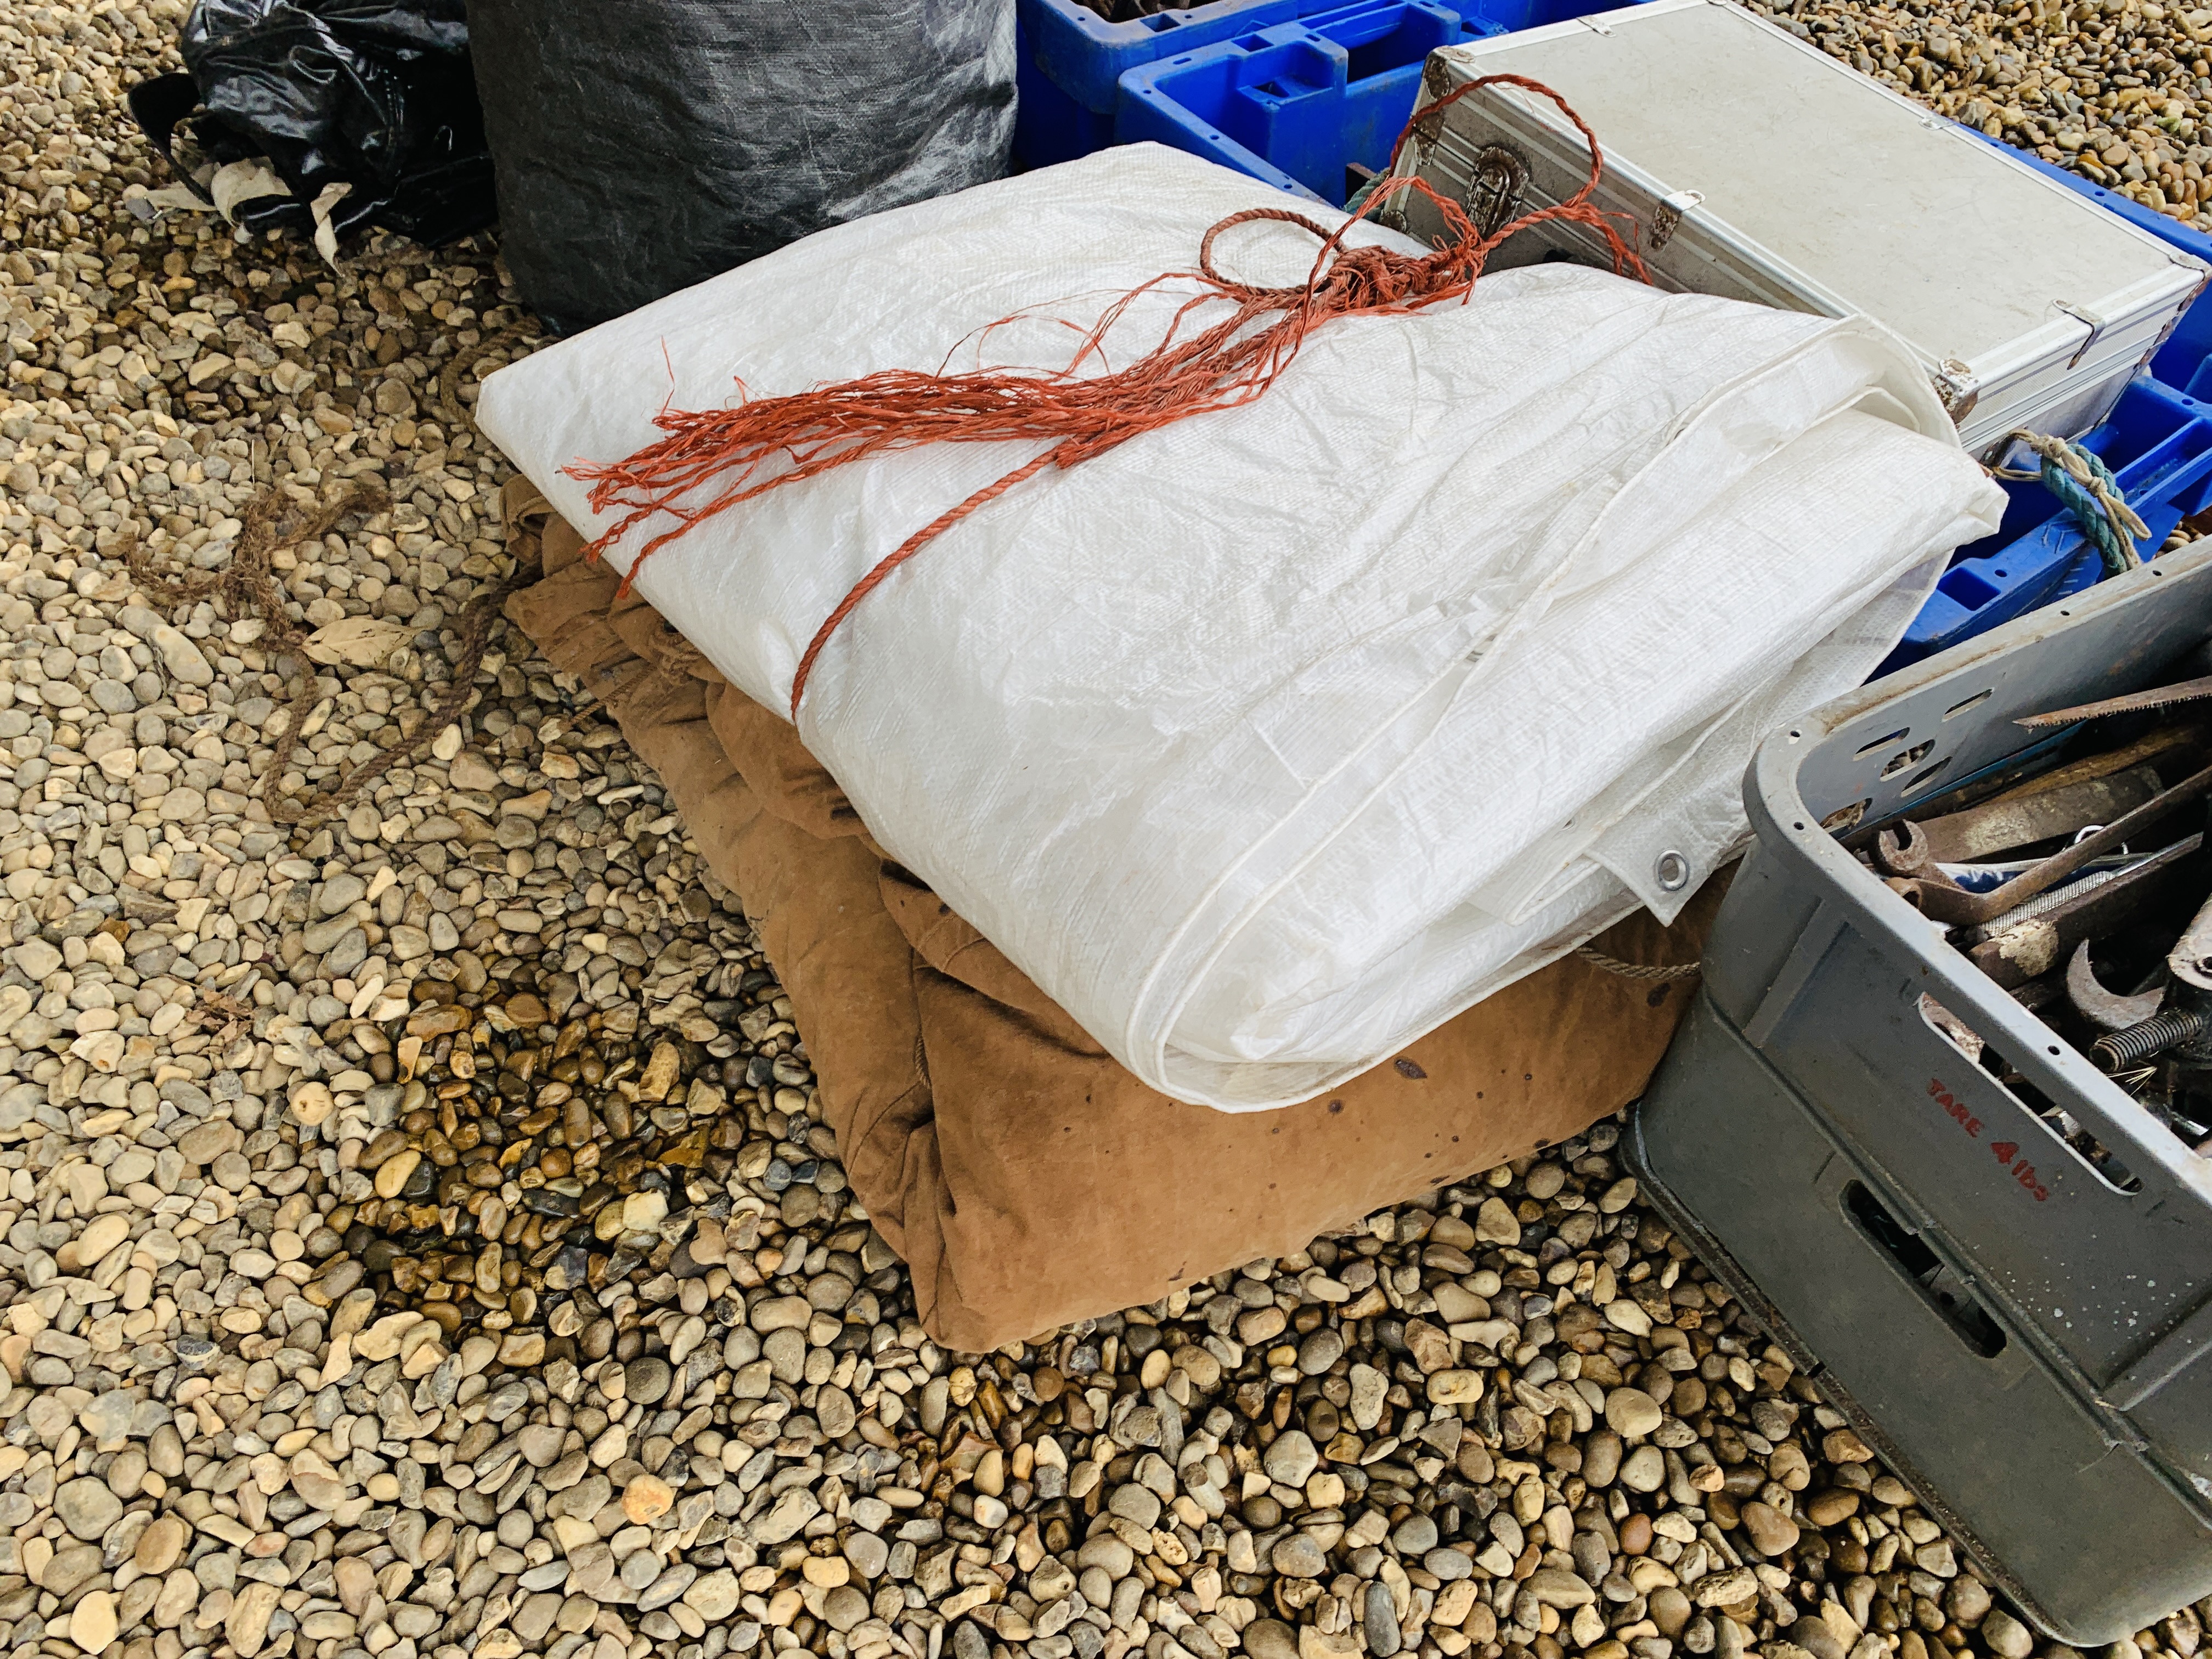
1071,60
1297,104
2158,441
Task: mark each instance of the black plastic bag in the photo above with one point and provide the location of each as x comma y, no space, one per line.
375,95
642,147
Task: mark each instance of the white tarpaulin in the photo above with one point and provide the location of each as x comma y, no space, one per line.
1269,741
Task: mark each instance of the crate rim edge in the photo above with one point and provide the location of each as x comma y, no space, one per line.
1771,778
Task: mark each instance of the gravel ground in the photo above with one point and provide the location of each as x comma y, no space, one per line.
2119,91
419,1235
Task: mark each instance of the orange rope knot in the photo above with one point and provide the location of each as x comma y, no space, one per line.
711,460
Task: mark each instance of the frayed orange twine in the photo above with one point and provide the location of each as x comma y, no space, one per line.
711,459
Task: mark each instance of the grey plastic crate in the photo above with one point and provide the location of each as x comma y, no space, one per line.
2022,1339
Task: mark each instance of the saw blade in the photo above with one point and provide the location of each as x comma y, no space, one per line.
2158,696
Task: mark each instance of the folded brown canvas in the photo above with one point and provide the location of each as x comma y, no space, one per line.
1027,1178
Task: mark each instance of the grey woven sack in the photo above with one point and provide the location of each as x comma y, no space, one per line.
640,148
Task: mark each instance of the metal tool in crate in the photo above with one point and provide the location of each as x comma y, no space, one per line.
2016,1316
2160,1036
1790,180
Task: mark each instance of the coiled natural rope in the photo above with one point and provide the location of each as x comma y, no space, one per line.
2088,490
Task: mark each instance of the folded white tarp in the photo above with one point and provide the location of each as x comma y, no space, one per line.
1269,741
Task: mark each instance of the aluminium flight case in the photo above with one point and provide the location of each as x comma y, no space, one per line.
2022,1336
1757,167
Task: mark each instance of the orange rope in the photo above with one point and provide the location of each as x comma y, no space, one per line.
711,460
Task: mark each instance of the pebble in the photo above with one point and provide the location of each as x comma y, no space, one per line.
1384,1635
2007,1637
1291,1457
647,1499
1631,1413
1414,1536
1772,1533
714,1595
86,1507
93,1622
1557,1587
1827,1509
1320,1351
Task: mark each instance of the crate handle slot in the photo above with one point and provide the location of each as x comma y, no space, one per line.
1846,817
1927,777
1908,758
1942,1289
2108,1168
1972,703
1866,748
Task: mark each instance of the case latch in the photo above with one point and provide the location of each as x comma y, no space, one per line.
1494,180
1428,129
2097,327
1667,217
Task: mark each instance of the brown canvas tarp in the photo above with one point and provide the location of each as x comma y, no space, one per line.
1028,1179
